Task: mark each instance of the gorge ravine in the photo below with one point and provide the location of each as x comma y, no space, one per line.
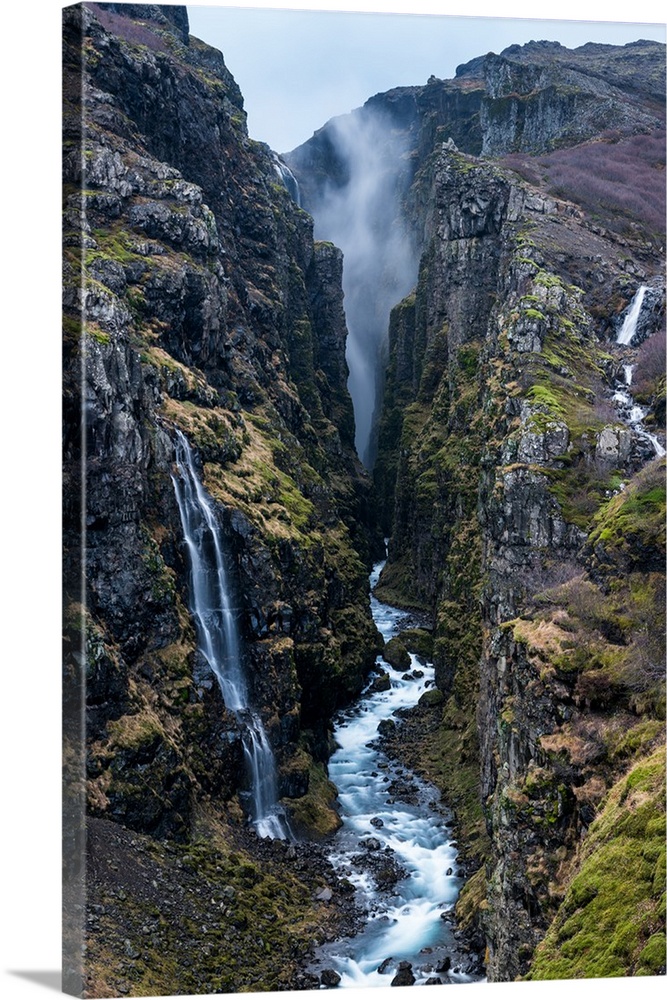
525,518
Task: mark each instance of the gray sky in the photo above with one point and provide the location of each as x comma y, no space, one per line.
298,68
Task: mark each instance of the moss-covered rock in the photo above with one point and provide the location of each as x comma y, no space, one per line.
612,919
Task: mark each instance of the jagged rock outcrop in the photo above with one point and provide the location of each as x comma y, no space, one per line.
206,306
498,452
529,98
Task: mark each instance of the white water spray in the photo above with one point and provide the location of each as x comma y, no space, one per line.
379,800
363,217
629,327
218,635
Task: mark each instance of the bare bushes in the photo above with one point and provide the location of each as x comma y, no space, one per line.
650,372
619,180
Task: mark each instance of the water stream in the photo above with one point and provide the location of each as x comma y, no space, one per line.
629,327
392,823
218,637
632,413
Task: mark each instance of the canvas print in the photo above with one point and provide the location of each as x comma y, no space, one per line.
363,502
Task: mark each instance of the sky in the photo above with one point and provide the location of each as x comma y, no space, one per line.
30,493
298,68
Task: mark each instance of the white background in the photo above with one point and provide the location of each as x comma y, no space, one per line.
30,485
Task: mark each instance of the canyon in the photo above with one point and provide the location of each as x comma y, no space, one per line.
412,328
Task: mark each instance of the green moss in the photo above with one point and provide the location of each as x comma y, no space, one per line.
99,336
135,732
611,922
314,814
651,960
546,396
634,521
419,641
468,360
396,654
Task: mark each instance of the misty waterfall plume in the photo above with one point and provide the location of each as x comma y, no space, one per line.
629,327
361,212
218,636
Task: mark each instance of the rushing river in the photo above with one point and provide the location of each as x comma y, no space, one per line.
395,845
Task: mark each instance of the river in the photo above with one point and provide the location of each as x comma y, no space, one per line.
396,843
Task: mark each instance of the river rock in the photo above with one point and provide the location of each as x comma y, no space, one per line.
383,967
381,683
329,978
404,976
396,655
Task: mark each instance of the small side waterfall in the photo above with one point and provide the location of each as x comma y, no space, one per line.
217,631
288,179
629,327
633,414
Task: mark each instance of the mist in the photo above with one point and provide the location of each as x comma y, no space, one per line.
363,217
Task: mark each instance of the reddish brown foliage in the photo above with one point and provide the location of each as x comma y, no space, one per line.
131,31
651,359
619,181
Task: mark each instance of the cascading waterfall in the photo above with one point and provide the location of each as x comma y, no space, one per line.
363,216
629,327
632,413
218,636
288,179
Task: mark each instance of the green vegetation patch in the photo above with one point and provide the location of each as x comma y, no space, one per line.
632,524
314,814
612,920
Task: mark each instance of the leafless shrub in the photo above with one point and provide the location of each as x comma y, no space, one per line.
605,412
621,181
651,359
131,31
544,579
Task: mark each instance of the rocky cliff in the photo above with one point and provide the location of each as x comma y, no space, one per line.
527,520
525,514
196,299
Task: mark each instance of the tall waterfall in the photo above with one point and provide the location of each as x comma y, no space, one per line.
218,636
361,212
629,327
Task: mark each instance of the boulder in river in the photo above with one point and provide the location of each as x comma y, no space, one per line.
404,976
329,978
381,683
396,655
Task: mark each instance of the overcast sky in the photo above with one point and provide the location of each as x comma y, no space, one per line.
298,68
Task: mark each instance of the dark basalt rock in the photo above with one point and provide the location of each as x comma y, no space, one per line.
404,976
329,978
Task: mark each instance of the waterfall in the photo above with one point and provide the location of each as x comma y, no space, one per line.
218,636
361,212
629,327
288,179
631,413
